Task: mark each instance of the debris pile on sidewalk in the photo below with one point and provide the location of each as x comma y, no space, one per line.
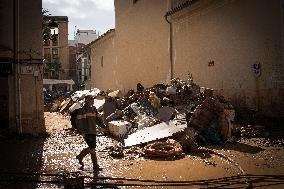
180,110
168,148
252,131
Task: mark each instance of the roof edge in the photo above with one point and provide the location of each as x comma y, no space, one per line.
180,7
101,37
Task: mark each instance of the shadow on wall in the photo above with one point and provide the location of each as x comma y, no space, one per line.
269,103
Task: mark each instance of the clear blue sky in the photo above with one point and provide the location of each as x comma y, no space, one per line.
84,14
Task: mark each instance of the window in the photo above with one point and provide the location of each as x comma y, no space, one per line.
54,31
47,56
55,51
45,75
46,42
54,40
102,61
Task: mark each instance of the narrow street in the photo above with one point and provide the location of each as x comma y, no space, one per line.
141,94
55,155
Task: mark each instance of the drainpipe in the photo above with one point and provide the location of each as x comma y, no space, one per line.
170,45
14,60
282,29
16,65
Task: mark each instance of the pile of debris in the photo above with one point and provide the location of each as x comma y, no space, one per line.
180,110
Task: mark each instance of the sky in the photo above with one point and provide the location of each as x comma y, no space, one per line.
83,14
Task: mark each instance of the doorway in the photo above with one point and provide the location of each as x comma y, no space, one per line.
4,102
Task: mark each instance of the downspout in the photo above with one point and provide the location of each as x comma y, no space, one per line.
17,66
282,29
15,50
170,46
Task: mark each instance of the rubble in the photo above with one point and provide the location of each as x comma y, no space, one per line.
253,131
119,128
168,148
180,108
166,113
156,132
116,151
58,104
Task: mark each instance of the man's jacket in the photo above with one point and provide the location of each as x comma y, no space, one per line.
87,120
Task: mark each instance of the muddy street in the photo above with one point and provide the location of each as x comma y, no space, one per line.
55,155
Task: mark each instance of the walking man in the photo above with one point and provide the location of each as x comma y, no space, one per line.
87,121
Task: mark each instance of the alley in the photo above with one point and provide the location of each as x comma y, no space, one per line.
141,94
56,155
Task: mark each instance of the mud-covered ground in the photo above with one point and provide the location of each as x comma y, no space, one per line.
262,160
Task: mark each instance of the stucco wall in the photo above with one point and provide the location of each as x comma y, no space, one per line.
104,67
28,28
30,98
63,48
6,17
141,43
235,35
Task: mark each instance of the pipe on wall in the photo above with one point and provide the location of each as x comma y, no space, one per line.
170,46
15,68
282,28
170,41
16,65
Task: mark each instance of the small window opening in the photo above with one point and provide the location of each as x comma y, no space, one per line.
102,61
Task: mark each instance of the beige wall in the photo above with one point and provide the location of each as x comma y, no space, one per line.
175,3
6,16
103,64
63,49
141,42
235,35
30,17
28,98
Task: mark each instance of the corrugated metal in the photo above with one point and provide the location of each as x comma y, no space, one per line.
159,131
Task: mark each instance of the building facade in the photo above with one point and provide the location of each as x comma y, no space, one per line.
142,43
85,36
83,65
138,51
56,50
234,47
21,74
102,54
72,60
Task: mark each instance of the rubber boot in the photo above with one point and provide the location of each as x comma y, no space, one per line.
95,160
82,154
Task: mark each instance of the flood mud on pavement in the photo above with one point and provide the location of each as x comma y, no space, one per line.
55,155
167,136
